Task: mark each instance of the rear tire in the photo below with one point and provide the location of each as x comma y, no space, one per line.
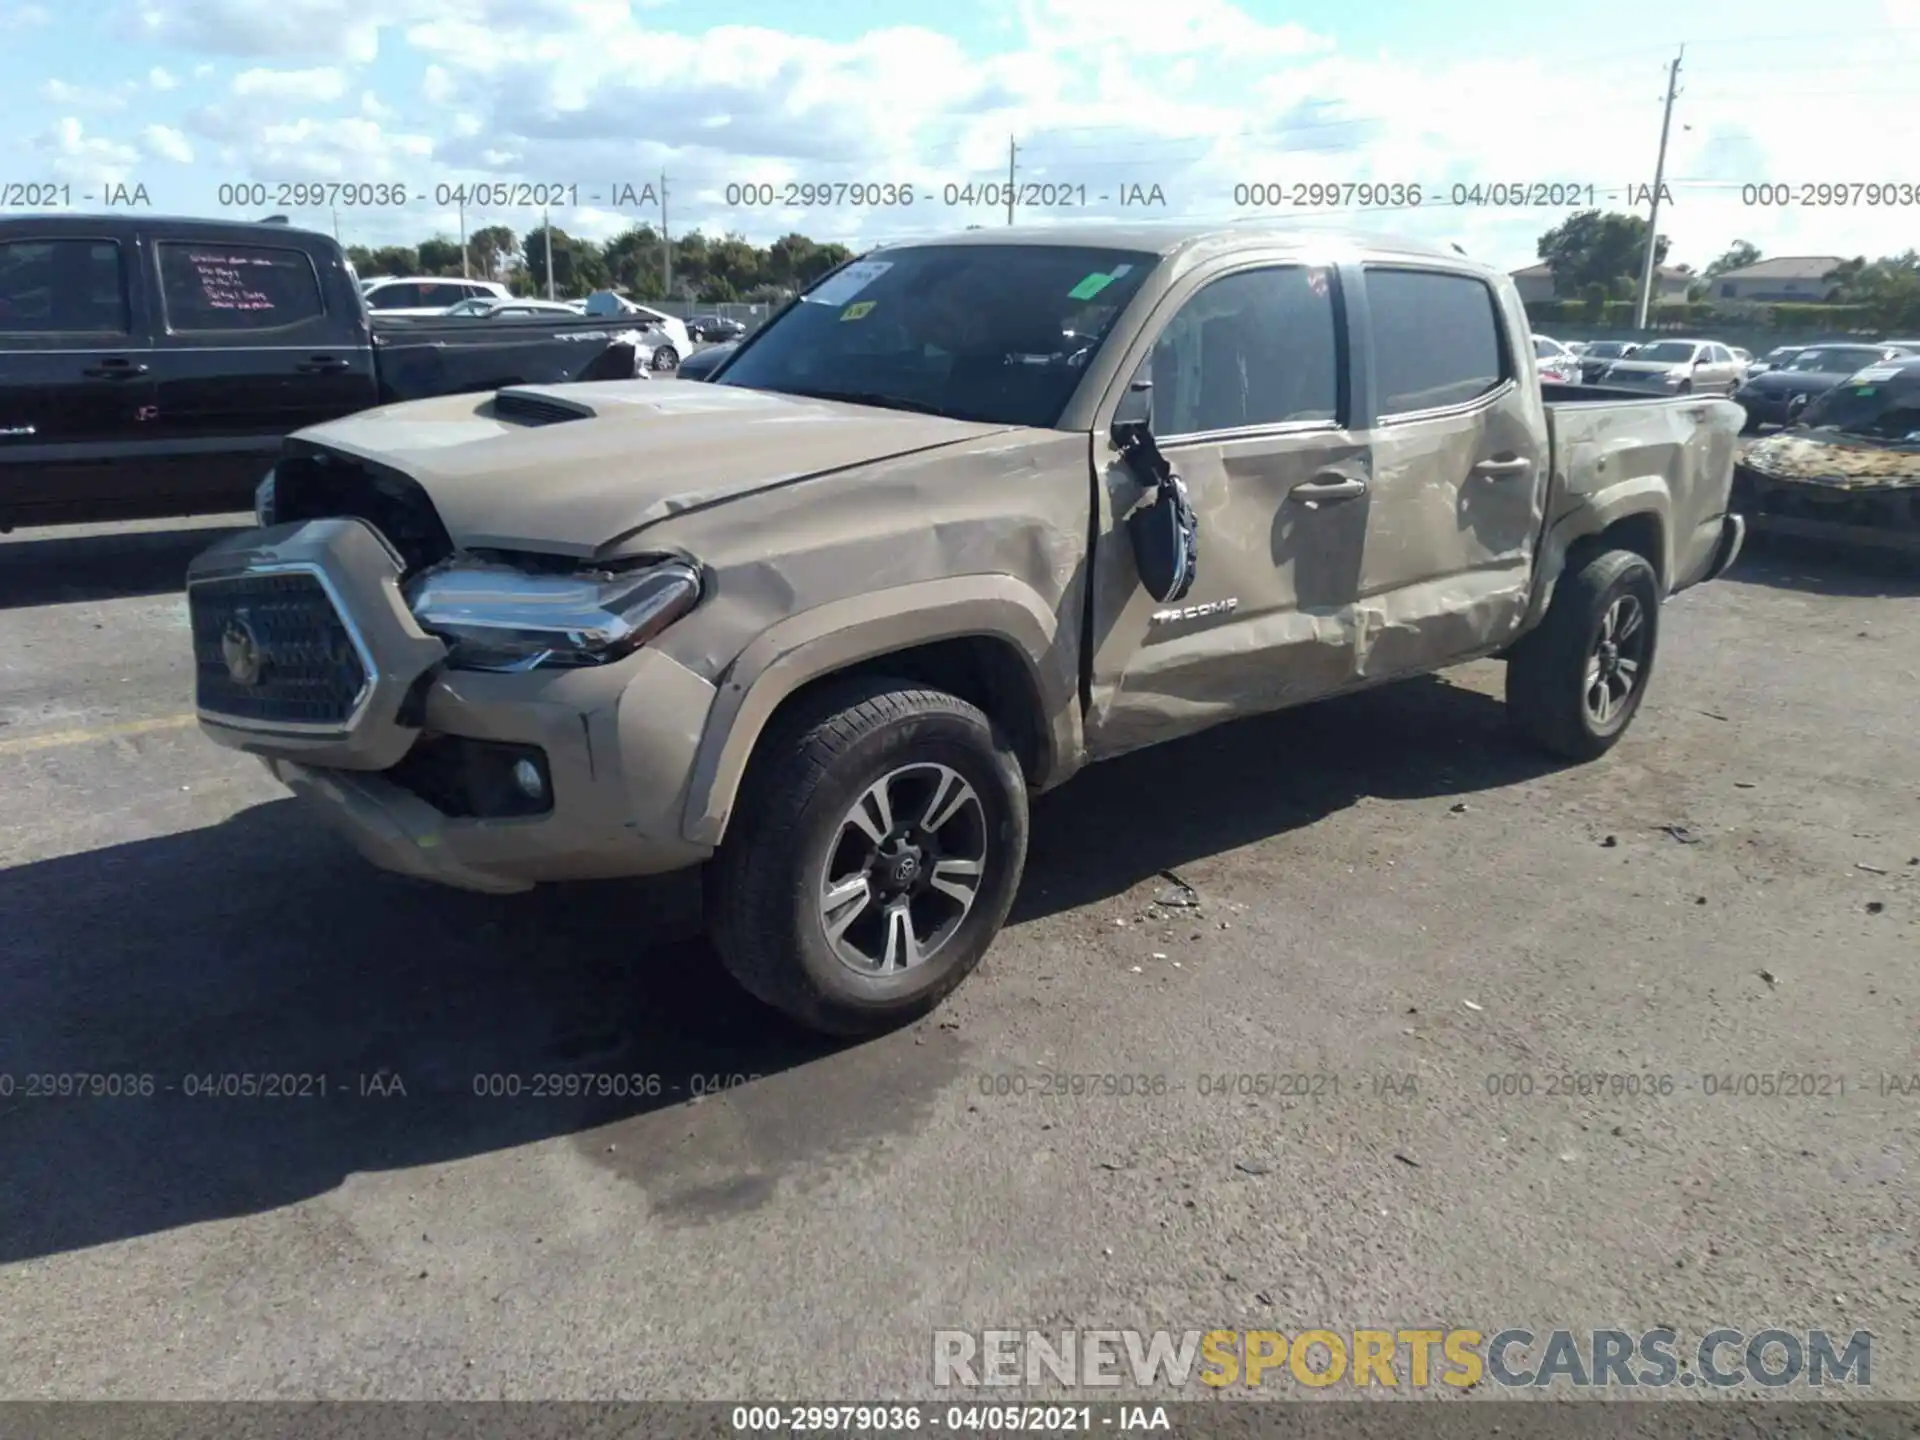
803,833
665,358
1576,681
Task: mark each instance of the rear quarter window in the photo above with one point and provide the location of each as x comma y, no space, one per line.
237,287
1435,339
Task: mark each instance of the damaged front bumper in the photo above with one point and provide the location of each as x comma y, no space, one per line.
306,656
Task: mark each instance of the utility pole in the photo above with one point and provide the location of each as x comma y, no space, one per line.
466,272
1012,151
666,243
336,224
1659,177
546,233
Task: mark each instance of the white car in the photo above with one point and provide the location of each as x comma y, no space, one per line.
1555,361
671,340
509,309
428,296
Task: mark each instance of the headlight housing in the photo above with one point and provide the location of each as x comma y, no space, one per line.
496,616
263,502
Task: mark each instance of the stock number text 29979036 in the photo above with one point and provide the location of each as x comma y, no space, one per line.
1403,195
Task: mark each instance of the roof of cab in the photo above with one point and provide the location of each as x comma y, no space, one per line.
121,221
1178,237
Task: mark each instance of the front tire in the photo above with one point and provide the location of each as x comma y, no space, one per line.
874,854
665,358
1575,683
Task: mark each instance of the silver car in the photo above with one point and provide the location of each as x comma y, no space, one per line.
1555,361
1678,367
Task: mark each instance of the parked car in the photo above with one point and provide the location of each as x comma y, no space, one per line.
1578,347
673,341
1554,361
850,613
1744,359
1779,395
1779,355
1599,354
1677,367
406,297
701,364
151,367
506,309
715,327
1850,469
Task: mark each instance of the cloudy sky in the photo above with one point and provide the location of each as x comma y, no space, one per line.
1104,98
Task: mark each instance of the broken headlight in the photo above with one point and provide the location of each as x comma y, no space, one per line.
495,616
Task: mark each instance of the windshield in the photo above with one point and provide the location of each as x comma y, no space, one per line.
1833,362
1545,349
1666,352
1606,349
998,333
1886,407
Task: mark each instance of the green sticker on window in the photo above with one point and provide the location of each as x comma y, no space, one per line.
858,310
1090,287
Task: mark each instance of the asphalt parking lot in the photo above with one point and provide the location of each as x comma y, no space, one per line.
1391,901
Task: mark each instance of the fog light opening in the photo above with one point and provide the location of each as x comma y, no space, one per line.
527,779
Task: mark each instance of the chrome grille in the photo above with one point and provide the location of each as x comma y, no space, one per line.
271,649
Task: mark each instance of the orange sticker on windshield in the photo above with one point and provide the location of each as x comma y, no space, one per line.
857,311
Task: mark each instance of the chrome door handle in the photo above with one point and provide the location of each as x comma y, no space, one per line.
1329,485
1497,469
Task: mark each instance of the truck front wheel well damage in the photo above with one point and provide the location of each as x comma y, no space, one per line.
983,670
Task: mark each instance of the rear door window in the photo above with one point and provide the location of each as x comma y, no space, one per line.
216,286
1435,338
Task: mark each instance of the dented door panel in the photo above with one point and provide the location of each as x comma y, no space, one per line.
1268,622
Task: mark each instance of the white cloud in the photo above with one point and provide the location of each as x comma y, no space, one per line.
85,97
296,87
24,17
74,156
1194,96
161,79
163,142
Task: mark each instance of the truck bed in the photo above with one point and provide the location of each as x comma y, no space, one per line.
1617,443
426,356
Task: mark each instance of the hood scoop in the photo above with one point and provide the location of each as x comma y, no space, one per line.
535,407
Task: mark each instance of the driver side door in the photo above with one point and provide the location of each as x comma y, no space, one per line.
1246,371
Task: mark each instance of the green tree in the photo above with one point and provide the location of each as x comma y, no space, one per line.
634,260
1598,247
391,260
439,257
492,248
578,266
1890,285
1738,256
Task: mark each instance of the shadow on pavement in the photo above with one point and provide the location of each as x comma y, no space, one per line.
1819,567
1127,819
400,1014
65,569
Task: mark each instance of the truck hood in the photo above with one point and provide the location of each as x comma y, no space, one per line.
570,469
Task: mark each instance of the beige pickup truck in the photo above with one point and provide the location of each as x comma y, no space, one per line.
969,514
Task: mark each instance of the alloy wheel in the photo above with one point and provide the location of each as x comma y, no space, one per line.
1617,661
903,870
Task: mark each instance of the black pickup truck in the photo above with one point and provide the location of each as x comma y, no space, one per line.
151,367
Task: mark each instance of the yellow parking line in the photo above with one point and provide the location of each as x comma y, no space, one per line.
55,738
